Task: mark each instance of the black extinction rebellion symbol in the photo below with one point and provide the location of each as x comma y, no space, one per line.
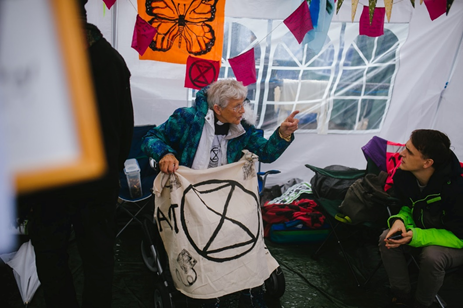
228,238
202,73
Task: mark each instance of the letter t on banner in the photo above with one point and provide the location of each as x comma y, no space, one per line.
143,35
109,3
244,67
299,22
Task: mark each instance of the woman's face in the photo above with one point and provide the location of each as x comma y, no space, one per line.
233,113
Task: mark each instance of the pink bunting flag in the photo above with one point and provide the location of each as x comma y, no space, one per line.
436,8
376,28
299,22
143,35
200,72
109,3
244,67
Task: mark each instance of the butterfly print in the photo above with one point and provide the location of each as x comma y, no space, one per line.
185,23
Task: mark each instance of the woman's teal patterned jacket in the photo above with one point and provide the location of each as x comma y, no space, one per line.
181,133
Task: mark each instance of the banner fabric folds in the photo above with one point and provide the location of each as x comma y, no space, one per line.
211,225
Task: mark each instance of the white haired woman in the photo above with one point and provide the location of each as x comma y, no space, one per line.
215,131
212,133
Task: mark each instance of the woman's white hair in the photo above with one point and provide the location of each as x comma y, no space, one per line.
222,91
249,116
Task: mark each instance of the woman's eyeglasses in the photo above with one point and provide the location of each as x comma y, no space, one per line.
240,106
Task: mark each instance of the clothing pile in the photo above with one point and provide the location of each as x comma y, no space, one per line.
294,217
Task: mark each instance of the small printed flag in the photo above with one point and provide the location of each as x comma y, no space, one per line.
200,72
318,36
388,7
315,11
354,9
371,8
339,5
109,3
143,35
376,27
244,67
299,22
436,8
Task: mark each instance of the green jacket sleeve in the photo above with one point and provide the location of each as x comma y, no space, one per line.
437,237
270,149
426,237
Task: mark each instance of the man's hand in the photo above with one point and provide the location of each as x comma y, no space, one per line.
289,126
168,164
398,226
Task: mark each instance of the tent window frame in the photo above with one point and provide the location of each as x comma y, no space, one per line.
319,113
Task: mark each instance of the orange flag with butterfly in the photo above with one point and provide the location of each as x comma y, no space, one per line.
184,28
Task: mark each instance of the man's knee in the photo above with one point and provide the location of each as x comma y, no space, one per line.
433,257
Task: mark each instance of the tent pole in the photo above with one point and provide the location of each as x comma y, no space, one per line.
114,25
452,70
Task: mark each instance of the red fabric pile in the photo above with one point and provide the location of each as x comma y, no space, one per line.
305,210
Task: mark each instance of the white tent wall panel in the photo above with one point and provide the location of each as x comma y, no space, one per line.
426,61
450,114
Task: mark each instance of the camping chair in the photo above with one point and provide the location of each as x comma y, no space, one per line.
378,153
329,208
134,196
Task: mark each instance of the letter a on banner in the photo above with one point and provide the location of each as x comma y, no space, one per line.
184,28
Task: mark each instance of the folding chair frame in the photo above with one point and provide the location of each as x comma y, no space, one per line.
140,205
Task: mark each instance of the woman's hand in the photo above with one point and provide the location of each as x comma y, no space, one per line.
168,164
289,126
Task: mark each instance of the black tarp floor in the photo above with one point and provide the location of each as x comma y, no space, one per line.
325,282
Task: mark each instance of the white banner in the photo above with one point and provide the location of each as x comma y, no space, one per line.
211,226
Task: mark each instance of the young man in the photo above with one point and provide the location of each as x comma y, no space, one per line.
430,186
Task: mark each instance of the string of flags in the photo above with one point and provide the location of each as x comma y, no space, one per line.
311,18
435,8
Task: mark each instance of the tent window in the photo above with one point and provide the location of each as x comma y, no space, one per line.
344,86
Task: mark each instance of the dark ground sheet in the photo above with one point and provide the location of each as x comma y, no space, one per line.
323,283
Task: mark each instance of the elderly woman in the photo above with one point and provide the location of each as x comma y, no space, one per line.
215,131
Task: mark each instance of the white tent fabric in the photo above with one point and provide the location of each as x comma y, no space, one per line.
427,92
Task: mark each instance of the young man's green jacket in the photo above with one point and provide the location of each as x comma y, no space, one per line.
435,214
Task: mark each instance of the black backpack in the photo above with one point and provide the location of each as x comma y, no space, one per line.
332,182
366,200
